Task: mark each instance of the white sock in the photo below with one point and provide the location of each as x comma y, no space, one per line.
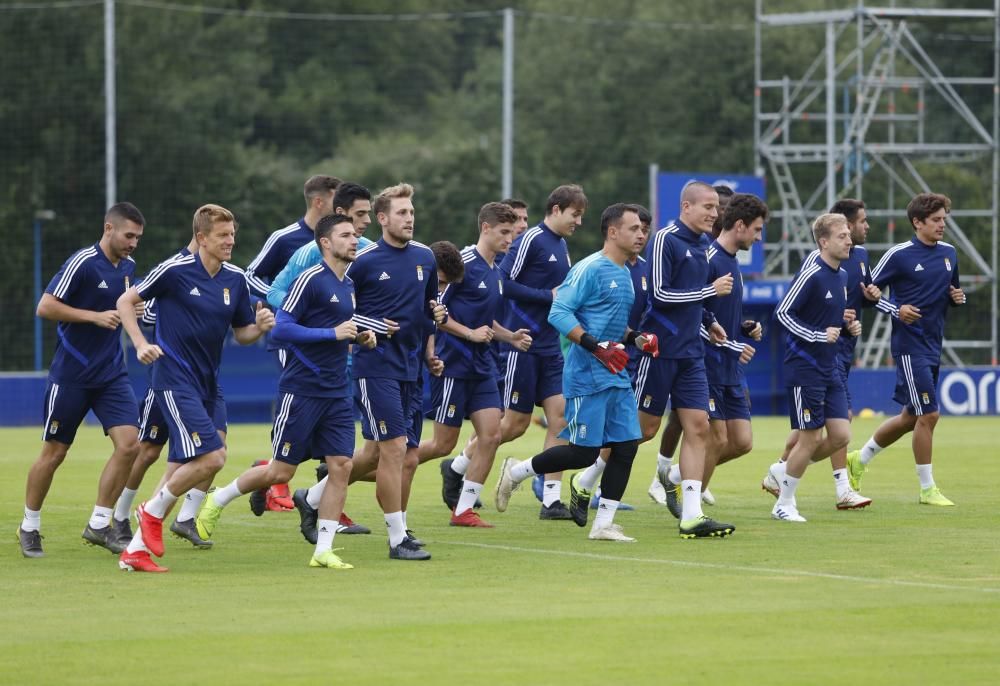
160,503
405,527
32,520
397,530
870,450
522,471
841,481
551,492
192,503
227,494
591,474
925,476
788,486
124,505
675,475
691,505
100,517
136,544
460,464
663,461
605,514
777,470
470,491
326,529
315,493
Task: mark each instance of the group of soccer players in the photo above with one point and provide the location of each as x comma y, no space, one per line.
508,324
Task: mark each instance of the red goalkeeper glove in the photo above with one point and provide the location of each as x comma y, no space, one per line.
651,346
609,353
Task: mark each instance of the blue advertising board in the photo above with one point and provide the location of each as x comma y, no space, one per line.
668,204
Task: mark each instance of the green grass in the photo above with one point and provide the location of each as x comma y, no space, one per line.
899,593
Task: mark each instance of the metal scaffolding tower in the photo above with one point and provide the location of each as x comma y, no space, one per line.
864,119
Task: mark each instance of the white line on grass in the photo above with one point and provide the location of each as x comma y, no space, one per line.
728,568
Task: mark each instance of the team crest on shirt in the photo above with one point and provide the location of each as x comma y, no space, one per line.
225,295
711,404
126,283
926,398
513,397
420,273
53,427
583,431
196,439
353,302
153,431
382,427
647,400
806,415
947,264
285,449
644,283
500,285
451,411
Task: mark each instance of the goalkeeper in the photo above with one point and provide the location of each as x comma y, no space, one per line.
591,309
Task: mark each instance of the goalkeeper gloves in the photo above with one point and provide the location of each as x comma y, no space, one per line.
651,346
609,353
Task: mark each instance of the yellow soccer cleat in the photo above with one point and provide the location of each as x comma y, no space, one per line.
933,496
330,560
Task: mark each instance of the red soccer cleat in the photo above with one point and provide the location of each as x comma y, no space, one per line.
469,518
139,561
152,530
279,498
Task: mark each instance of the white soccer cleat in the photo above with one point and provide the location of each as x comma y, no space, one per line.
770,483
656,492
611,532
505,484
707,497
853,500
786,513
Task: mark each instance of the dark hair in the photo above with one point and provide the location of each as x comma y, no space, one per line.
347,193
449,260
494,213
645,216
924,205
126,211
315,185
567,195
612,216
849,207
515,203
725,195
743,206
724,191
325,226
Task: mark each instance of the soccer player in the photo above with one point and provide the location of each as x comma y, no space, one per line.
198,298
861,292
521,210
395,278
88,373
468,389
591,308
678,288
316,416
814,314
922,276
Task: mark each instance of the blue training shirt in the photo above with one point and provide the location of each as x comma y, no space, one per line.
87,355
306,256
475,301
919,275
277,250
193,314
597,295
722,362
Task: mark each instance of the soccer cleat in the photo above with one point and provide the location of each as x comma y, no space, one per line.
279,499
30,542
853,500
855,470
321,472
207,519
707,497
557,511
579,500
139,561
933,496
346,525
612,532
330,560
412,538
770,484
258,502
104,538
469,518
505,484
406,550
538,487
188,530
786,513
657,493
307,516
123,531
704,527
674,500
152,529
451,484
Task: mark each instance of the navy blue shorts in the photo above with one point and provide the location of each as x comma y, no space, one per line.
809,407
457,399
307,428
844,370
191,424
728,402
916,384
153,425
683,382
606,417
530,379
66,406
389,409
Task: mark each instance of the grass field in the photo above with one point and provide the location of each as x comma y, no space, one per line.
898,593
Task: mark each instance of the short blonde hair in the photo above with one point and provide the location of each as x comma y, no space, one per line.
823,226
207,216
384,199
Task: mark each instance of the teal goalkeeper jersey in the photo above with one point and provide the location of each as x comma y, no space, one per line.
597,295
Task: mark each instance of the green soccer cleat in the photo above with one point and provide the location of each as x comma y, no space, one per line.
208,517
855,470
704,527
933,496
330,560
579,500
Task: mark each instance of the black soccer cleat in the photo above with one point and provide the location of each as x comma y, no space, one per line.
451,484
412,538
579,501
674,500
704,527
30,542
556,511
307,515
122,531
104,538
258,501
322,471
189,532
406,550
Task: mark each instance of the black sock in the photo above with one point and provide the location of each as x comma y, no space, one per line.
616,474
559,458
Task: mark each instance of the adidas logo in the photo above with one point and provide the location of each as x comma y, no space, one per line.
195,291
785,482
482,285
687,253
550,486
334,298
602,506
829,295
103,284
918,268
689,488
384,277
552,258
323,529
614,285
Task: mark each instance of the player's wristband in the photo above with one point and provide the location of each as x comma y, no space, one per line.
588,342
630,338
